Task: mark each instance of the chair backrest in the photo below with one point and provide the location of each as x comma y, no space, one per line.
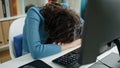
16,28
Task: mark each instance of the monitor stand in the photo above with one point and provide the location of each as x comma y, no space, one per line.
110,61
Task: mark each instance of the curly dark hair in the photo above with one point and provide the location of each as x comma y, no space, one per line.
62,24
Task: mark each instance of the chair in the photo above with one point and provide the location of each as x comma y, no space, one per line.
16,28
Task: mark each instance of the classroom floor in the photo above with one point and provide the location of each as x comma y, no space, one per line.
4,56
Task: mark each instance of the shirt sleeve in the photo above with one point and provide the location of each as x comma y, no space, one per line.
36,48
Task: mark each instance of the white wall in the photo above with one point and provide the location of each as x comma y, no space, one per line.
35,2
75,5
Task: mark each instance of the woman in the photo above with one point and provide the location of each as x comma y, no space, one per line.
36,35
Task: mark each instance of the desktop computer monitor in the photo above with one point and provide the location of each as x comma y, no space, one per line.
102,25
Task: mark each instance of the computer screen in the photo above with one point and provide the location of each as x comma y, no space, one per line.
102,25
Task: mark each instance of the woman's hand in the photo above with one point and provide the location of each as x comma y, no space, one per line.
65,46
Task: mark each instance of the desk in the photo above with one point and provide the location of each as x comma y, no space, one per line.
27,58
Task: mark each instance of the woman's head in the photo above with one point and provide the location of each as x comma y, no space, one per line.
63,25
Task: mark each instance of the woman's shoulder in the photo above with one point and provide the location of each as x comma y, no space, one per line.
35,12
35,9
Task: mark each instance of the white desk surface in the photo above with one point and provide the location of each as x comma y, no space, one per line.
15,63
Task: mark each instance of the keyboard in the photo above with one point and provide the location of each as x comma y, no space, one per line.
68,59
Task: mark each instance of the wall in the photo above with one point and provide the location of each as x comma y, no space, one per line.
75,5
35,2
